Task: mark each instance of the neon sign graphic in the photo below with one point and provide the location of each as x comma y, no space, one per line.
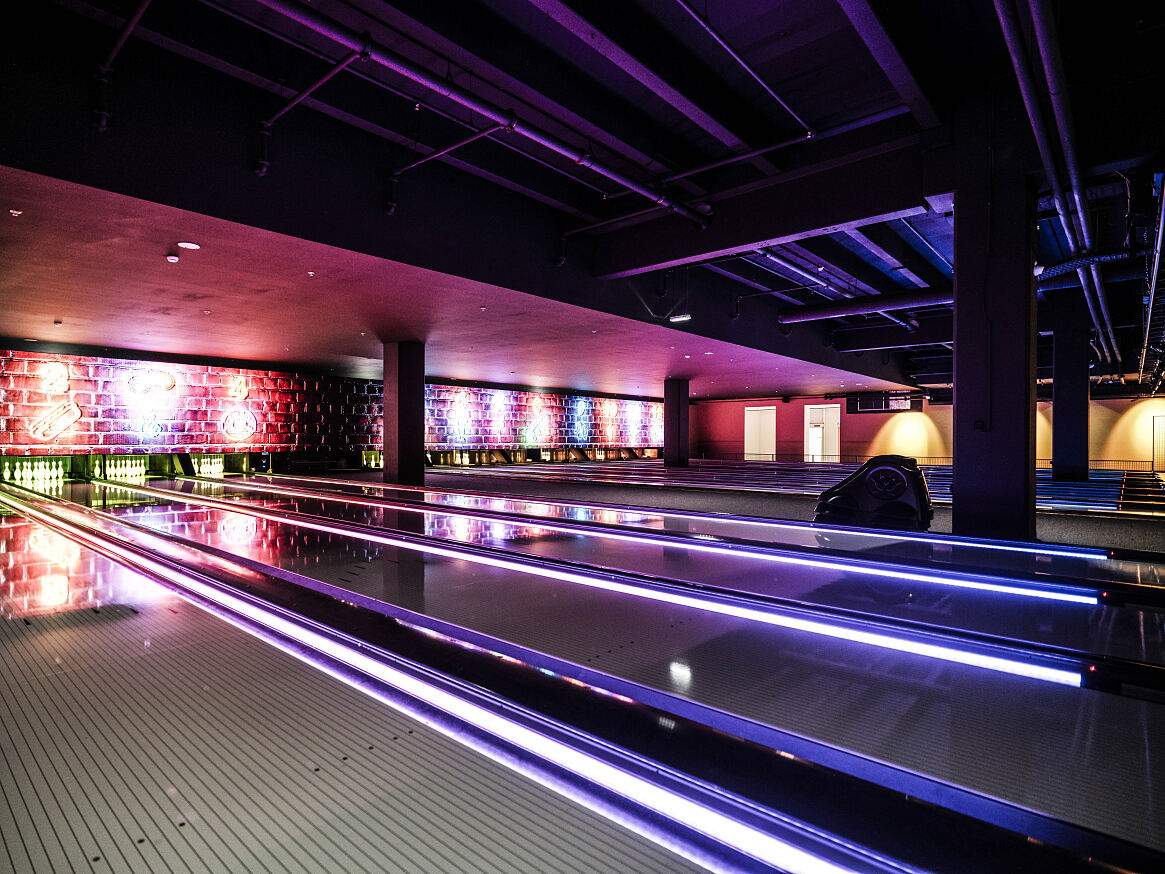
57,420
239,424
151,428
145,381
239,388
55,377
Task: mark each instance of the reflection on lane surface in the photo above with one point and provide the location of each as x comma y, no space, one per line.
1083,756
884,590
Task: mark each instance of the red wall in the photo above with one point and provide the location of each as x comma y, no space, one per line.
717,429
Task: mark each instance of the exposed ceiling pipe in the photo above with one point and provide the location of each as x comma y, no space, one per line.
388,59
744,65
1123,272
818,282
1049,48
864,306
1153,274
103,111
1009,24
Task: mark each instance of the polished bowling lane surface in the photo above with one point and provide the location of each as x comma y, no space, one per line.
898,668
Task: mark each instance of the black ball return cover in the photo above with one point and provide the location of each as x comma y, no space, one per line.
888,491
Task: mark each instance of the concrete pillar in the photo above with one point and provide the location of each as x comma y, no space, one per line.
404,413
1070,356
675,423
995,341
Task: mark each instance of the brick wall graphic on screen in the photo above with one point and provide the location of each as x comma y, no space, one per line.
459,417
63,404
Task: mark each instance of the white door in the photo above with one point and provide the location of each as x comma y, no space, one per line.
760,433
823,432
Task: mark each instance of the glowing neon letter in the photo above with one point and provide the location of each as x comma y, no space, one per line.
55,376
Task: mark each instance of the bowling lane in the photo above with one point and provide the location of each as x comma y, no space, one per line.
1047,561
1080,755
879,590
140,733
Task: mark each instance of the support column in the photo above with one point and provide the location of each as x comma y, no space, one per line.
404,413
995,350
1070,355
675,423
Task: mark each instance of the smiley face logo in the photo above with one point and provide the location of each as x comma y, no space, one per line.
239,424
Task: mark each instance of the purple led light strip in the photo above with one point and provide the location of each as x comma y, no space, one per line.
949,540
1023,668
675,807
982,582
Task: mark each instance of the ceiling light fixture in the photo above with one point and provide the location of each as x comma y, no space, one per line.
188,245
172,257
16,213
57,323
682,317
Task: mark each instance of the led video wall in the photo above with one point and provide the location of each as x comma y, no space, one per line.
64,404
467,418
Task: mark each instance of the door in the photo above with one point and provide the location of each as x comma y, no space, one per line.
760,433
823,432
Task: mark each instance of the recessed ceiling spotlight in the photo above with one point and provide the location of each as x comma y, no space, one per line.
206,312
57,323
709,353
687,356
363,333
594,332
682,317
185,244
482,309
172,257
16,213
311,274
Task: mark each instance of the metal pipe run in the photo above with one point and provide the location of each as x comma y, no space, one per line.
864,306
130,24
1049,49
744,65
103,113
818,282
311,89
403,66
432,156
1152,284
1012,36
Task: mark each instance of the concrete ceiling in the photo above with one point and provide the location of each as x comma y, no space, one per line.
96,261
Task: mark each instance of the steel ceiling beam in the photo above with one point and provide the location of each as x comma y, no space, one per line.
597,41
867,305
930,332
886,55
401,65
880,186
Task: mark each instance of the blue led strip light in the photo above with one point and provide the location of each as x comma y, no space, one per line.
1031,667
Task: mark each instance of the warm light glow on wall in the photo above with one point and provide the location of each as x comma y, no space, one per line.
1131,437
912,434
1044,431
